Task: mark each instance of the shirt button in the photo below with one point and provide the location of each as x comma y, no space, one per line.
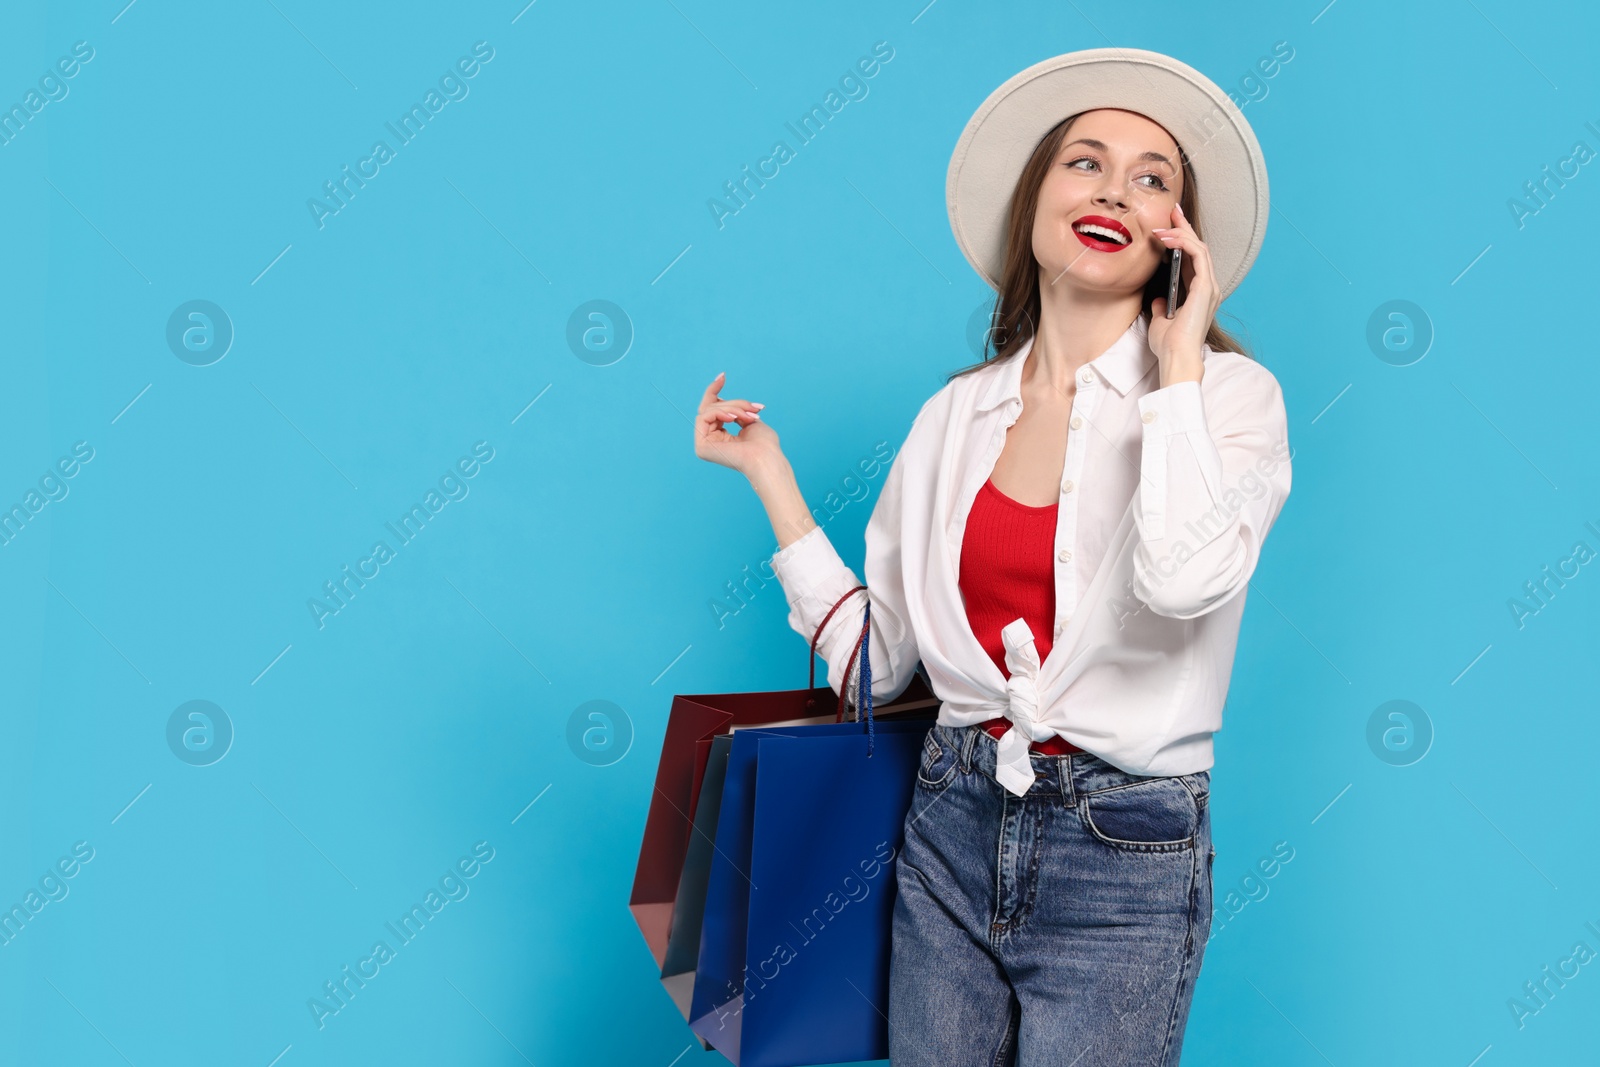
1087,377
1066,554
1150,416
1066,486
1077,422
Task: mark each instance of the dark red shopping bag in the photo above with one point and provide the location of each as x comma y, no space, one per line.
694,722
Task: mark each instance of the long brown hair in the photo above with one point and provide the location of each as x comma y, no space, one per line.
1016,310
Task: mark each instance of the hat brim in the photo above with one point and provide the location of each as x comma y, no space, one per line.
1230,172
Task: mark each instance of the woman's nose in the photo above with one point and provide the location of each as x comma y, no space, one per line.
1112,197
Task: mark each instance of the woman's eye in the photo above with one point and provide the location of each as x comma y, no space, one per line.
1156,181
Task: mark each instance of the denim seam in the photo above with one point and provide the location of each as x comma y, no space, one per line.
1142,781
1029,891
995,923
1201,799
937,785
1002,1055
1188,956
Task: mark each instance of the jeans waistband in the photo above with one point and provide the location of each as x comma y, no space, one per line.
1062,776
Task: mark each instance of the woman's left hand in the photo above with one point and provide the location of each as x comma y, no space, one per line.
1178,341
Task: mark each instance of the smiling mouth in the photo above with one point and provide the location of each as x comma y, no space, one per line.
1102,234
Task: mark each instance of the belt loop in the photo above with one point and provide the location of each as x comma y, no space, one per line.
968,743
1069,788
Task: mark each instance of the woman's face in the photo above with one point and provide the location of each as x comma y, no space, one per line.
1116,171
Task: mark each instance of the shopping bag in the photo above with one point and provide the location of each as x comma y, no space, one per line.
683,938
694,721
794,950
683,941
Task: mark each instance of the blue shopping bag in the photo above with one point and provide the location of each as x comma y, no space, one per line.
794,948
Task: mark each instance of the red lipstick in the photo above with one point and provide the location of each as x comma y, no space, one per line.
1104,240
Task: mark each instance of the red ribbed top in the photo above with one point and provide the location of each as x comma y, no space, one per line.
1008,570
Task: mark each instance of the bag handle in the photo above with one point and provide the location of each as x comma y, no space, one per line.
864,679
864,676
818,637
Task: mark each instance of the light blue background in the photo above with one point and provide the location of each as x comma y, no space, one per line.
426,315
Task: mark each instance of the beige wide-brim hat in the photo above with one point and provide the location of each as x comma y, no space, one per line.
1230,173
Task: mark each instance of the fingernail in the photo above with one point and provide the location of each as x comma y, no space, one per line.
758,407
1179,207
752,414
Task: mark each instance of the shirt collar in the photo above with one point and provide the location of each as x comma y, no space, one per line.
1123,366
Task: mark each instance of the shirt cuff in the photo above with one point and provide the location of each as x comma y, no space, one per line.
814,579
1173,410
804,545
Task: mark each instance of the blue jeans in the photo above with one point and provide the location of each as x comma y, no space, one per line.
1065,927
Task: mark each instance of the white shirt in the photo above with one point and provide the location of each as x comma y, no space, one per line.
1166,498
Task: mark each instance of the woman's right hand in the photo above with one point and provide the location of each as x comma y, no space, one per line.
755,445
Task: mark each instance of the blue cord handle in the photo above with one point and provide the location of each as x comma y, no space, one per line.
864,678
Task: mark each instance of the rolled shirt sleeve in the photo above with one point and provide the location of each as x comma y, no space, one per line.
814,578
1215,473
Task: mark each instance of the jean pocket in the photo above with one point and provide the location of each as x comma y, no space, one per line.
940,760
1153,815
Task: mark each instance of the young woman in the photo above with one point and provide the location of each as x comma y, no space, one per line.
1064,543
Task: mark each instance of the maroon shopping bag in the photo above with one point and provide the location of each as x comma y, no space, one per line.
693,723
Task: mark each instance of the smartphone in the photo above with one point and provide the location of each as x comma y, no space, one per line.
1172,283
